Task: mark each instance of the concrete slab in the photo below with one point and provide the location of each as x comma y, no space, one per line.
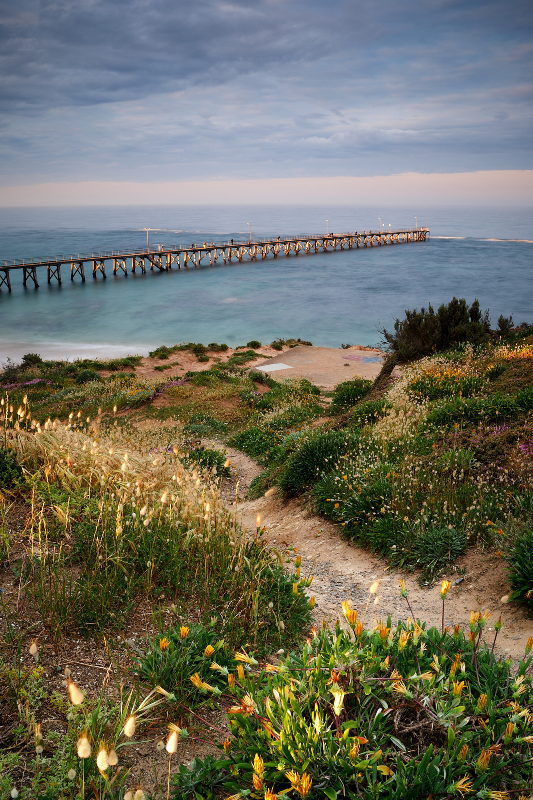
327,366
273,367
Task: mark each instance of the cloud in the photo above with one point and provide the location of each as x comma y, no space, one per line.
167,89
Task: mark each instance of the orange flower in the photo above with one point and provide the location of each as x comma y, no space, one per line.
164,643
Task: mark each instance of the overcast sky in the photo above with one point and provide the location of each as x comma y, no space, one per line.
186,90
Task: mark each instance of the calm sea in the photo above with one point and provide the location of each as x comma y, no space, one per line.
332,299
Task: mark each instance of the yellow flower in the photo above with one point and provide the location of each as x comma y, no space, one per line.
464,786
338,703
164,643
445,588
403,589
462,752
375,586
197,681
358,630
257,782
295,588
231,680
482,702
458,688
349,613
227,745
354,751
240,671
184,632
400,687
484,760
209,650
529,644
258,765
269,795
129,726
509,728
305,785
402,641
245,658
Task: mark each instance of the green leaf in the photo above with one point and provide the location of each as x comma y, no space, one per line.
331,793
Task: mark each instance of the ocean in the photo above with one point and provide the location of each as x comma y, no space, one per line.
334,298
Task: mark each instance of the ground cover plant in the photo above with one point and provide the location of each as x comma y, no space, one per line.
384,712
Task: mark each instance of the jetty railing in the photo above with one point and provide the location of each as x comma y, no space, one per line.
165,257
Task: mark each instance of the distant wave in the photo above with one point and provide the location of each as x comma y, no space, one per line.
484,239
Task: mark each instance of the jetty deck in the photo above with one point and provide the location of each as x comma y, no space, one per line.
165,258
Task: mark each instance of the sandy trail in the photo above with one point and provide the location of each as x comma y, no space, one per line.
343,571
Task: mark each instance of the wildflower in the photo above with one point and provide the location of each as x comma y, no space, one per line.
508,735
483,760
129,727
112,758
354,750
458,688
257,782
295,588
227,745
209,650
338,703
75,694
403,589
305,785
349,613
445,588
34,650
139,795
258,520
269,795
184,631
464,786
101,759
462,753
481,703
14,793
402,641
246,658
358,630
83,746
312,603
529,644
400,687
240,671
197,681
164,643
375,586
231,680
258,765
71,774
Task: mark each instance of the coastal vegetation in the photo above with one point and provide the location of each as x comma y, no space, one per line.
125,542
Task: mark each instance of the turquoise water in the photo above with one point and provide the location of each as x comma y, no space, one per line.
329,298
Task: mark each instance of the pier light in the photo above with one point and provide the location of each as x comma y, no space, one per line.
416,221
250,231
327,226
380,226
147,243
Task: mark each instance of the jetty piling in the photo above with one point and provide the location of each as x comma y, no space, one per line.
163,258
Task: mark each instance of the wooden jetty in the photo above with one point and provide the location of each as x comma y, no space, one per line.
164,258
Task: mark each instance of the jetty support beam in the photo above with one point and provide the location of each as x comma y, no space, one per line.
54,271
29,272
4,279
99,266
77,268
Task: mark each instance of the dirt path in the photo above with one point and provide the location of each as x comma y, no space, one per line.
343,571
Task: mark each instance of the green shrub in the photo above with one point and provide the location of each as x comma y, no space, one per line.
497,407
520,560
318,454
349,393
494,371
162,352
208,459
203,775
432,551
524,399
277,345
85,375
172,657
31,360
337,718
435,386
253,344
217,348
10,470
203,358
369,412
424,332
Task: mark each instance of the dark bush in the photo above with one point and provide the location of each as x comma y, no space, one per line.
317,456
424,332
253,344
31,360
520,559
497,407
349,393
218,348
160,352
86,375
10,471
209,459
505,324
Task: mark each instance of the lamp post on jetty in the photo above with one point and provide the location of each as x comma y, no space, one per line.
327,227
416,222
147,229
250,231
380,224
